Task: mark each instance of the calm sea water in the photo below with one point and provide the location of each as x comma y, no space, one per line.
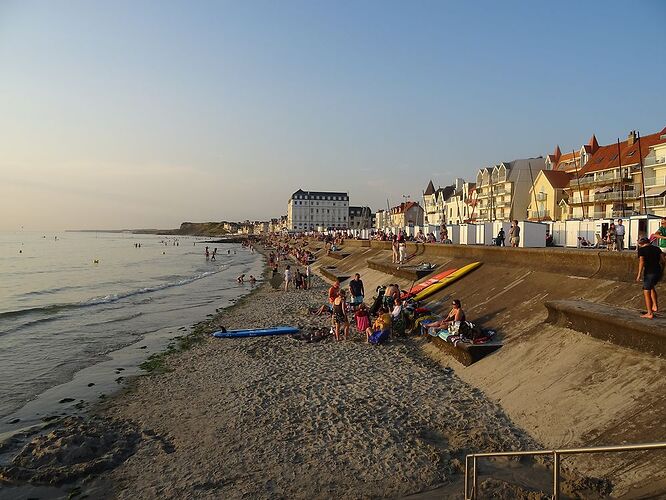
61,312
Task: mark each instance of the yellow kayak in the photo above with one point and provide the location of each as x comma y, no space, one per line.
447,281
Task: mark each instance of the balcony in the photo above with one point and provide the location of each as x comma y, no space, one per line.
616,196
659,201
654,160
598,179
655,181
539,214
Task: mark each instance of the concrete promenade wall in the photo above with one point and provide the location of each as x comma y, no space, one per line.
617,266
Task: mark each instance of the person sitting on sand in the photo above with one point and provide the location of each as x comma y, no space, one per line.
340,318
333,292
455,314
381,328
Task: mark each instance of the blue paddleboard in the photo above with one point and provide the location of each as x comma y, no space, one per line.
256,332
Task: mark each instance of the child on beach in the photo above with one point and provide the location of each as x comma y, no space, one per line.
380,328
362,316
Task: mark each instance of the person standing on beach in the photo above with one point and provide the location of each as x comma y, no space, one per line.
619,236
651,265
287,278
357,290
308,274
611,236
340,315
514,234
214,254
207,254
394,249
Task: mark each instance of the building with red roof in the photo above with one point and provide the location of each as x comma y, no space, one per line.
609,184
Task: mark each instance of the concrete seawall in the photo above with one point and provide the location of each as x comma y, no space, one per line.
617,266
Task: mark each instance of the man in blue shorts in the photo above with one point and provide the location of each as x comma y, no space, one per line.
356,289
651,265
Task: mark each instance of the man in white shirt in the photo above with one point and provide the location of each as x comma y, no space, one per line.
619,235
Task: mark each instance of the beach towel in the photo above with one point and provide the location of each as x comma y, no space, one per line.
379,337
362,322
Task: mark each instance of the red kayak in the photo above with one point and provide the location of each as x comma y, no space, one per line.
425,284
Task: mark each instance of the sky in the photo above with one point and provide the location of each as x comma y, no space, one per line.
144,114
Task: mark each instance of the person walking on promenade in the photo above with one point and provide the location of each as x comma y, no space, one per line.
514,234
394,249
402,252
651,265
660,235
287,278
619,235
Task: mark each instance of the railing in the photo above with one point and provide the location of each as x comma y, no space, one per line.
615,196
556,454
539,214
655,181
652,160
655,202
606,179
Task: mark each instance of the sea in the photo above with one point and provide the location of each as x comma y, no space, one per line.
80,311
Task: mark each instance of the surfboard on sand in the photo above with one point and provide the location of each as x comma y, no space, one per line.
447,281
255,332
426,283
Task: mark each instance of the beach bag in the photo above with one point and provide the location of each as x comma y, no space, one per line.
379,337
469,330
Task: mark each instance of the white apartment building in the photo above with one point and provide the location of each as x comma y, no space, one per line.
460,206
309,210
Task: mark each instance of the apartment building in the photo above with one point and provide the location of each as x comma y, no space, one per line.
309,210
434,203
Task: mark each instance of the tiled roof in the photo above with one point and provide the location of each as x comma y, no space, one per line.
606,157
404,207
557,179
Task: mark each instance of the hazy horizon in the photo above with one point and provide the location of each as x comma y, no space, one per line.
130,115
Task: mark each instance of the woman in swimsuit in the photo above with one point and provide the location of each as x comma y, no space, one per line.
340,318
455,314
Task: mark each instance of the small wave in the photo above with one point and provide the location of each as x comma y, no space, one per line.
106,299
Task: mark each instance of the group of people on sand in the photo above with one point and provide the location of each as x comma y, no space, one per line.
387,316
299,280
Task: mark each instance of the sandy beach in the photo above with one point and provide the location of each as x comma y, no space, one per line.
279,417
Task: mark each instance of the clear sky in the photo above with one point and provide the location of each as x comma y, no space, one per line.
131,114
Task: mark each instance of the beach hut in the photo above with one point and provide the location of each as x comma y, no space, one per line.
454,233
638,226
500,224
532,234
484,233
558,231
468,234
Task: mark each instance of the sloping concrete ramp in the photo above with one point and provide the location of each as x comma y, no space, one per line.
620,326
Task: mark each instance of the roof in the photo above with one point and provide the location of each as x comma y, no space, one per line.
318,193
446,192
606,157
430,189
518,168
404,207
557,178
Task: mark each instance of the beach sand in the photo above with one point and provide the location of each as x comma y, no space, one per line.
279,417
